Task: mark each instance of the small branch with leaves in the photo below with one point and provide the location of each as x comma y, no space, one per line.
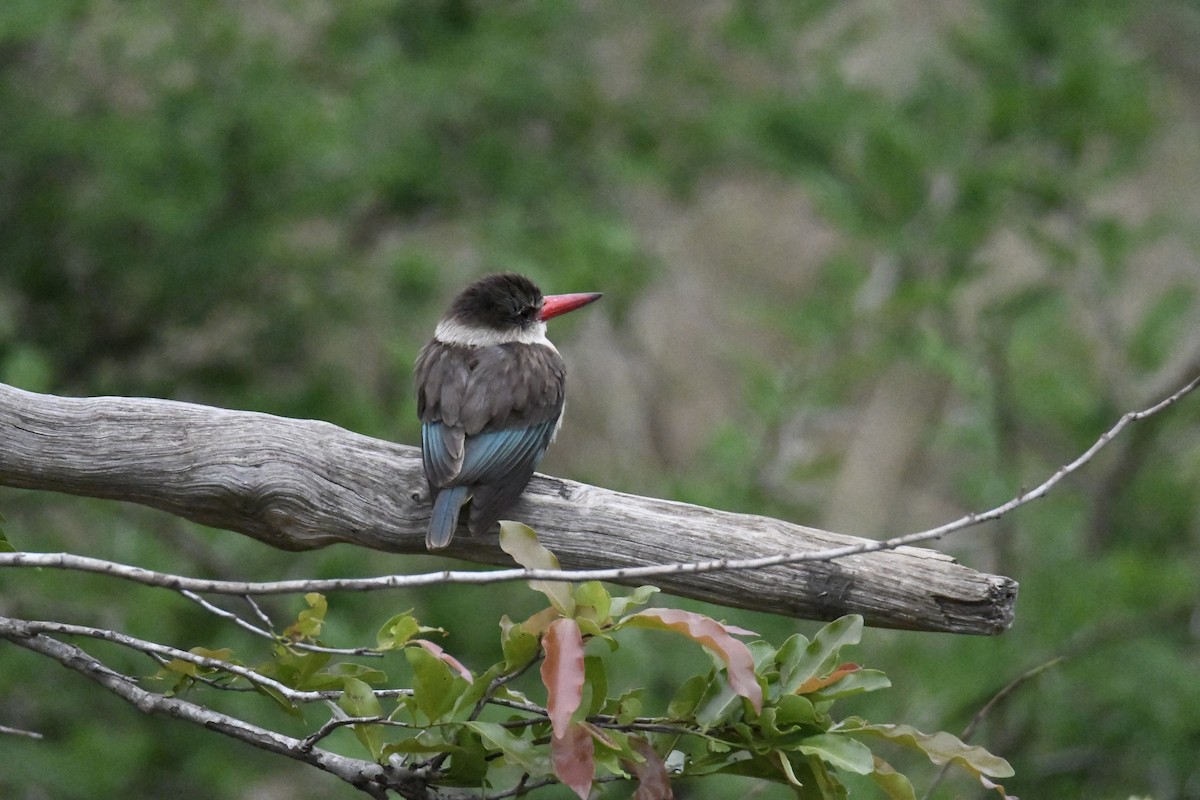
757,710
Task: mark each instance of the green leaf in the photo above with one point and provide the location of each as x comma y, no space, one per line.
518,751
417,746
298,668
475,692
815,782
941,748
894,784
282,701
358,700
591,628
764,655
840,751
191,669
864,680
785,766
791,649
396,631
621,603
792,709
347,669
592,601
719,705
520,542
468,762
435,685
5,545
309,621
688,697
820,656
595,681
519,646
626,707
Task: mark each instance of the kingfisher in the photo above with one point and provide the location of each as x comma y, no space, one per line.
490,395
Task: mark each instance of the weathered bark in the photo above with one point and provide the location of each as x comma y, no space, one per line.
300,484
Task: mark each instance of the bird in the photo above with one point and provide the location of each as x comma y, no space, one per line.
491,389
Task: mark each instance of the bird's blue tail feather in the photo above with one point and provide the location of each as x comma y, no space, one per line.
445,516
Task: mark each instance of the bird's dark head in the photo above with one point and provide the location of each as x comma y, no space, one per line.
502,302
505,307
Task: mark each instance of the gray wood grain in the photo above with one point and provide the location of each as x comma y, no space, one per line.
301,484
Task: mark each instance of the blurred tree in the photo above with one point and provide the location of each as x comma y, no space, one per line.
263,206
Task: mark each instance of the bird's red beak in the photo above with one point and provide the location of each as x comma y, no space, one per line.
556,304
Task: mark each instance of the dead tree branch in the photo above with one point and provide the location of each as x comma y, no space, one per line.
300,484
297,484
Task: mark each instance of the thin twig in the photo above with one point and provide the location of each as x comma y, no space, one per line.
500,680
266,634
258,612
983,712
160,651
5,730
341,722
524,787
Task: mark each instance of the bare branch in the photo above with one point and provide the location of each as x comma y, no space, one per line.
368,776
258,612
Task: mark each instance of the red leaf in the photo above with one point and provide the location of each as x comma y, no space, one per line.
562,672
571,756
714,636
653,781
454,663
814,683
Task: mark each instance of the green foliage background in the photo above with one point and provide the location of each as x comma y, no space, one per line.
265,206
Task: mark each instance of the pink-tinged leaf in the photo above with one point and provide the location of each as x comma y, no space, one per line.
539,622
563,672
814,683
654,782
454,663
715,637
572,757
